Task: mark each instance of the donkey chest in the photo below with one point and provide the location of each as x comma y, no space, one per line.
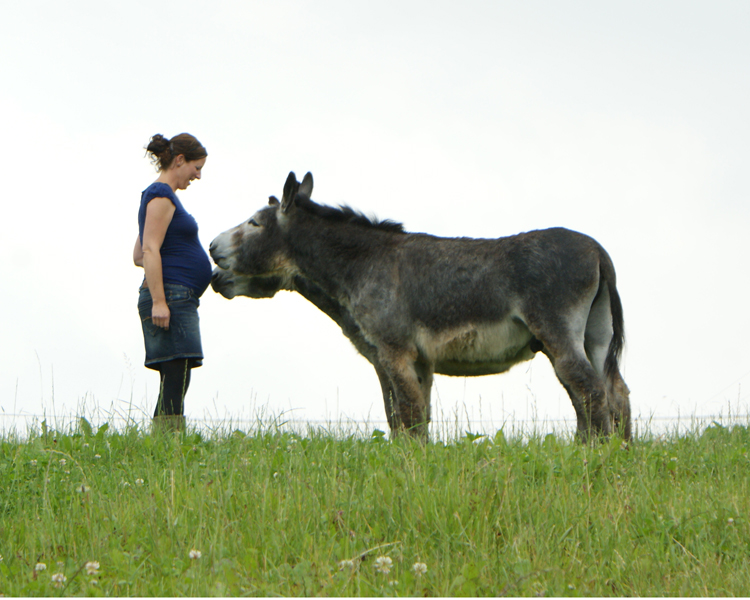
481,349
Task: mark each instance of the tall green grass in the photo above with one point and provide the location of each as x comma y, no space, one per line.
280,513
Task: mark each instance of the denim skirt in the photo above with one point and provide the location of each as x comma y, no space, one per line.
183,338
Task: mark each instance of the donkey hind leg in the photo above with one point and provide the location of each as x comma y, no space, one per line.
597,339
411,407
571,353
587,393
619,400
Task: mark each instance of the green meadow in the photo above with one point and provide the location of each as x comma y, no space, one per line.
97,512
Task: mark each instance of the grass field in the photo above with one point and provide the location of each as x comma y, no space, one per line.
89,512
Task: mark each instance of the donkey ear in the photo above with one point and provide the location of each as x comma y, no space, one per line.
306,187
273,201
290,191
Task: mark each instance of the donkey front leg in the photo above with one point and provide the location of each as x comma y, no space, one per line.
389,400
410,406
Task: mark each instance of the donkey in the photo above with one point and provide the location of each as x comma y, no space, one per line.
415,304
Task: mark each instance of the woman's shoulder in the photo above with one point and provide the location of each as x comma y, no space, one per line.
158,190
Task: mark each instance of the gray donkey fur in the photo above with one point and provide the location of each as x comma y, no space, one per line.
415,305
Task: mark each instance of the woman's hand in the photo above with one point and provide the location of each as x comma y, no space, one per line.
160,314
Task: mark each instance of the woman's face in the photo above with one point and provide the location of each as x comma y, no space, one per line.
186,171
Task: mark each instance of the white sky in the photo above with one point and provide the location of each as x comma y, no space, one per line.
624,120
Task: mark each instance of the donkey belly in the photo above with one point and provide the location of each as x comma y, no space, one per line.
472,350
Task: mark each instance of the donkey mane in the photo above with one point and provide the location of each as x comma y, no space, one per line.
346,214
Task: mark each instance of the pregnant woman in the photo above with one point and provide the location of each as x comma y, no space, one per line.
177,271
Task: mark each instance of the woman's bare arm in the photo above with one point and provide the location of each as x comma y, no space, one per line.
159,213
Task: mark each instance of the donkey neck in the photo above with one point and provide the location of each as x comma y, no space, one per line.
337,255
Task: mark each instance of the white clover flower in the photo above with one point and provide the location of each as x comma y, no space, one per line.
419,568
83,489
124,483
63,462
730,521
40,567
383,564
97,456
1,558
139,481
194,554
85,444
33,462
58,579
346,564
92,567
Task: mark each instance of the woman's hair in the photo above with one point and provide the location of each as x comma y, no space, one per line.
164,151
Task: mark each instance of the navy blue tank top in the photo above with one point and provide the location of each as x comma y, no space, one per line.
183,259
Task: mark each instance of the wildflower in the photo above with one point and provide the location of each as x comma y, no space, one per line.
419,568
40,567
673,459
97,456
383,564
393,582
58,579
33,462
194,554
1,558
139,481
83,489
85,444
92,567
124,483
346,564
730,521
63,462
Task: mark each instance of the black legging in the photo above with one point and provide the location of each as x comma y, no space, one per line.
175,380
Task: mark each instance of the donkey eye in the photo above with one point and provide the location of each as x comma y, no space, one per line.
253,222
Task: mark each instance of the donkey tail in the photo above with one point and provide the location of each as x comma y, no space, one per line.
616,344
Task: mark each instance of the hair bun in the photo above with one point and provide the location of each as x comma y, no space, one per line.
158,144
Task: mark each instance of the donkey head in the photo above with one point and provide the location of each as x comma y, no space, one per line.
255,248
